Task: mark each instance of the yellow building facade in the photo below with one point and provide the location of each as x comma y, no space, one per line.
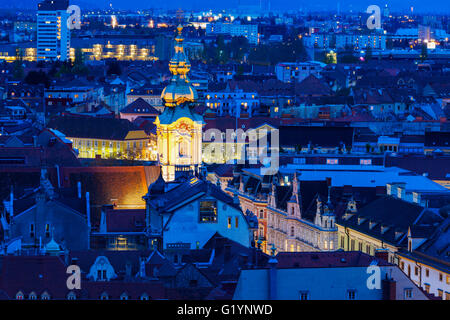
137,146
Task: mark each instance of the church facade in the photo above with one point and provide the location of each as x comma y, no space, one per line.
179,128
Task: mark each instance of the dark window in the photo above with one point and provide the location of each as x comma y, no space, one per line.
351,294
193,283
304,295
208,211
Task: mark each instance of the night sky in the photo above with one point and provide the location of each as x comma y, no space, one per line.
433,6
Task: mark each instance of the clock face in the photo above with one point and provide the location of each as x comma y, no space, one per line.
184,127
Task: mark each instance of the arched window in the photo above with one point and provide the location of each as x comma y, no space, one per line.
32,296
71,296
183,148
19,295
292,231
104,296
45,296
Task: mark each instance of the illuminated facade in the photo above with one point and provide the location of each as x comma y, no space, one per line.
281,221
136,145
179,128
122,52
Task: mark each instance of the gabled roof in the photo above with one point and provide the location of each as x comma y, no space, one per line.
189,191
140,106
312,86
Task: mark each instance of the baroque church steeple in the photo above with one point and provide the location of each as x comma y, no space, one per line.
179,128
179,89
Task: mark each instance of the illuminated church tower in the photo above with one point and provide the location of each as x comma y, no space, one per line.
179,128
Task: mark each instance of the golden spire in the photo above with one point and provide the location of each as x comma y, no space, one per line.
179,90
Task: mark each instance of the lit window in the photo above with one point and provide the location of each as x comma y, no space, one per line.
208,211
332,161
408,293
365,162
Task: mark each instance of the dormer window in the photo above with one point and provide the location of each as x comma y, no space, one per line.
19,295
144,296
32,296
124,296
71,296
45,296
104,296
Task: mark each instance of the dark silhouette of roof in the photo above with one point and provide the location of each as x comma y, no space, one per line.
336,259
140,106
92,127
317,136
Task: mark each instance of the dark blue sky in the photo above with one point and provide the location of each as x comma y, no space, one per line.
433,6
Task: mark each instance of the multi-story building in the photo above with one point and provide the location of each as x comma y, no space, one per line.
249,31
78,93
151,95
344,40
106,138
325,276
232,102
427,263
283,220
296,72
53,34
361,41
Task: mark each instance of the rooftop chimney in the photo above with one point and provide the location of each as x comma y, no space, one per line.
389,287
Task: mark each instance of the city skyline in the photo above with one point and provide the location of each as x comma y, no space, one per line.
397,6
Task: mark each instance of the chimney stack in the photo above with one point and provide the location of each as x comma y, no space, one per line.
389,287
273,275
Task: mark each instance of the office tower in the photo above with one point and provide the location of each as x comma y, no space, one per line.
53,35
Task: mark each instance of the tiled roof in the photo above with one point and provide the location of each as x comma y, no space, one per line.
140,106
337,259
33,274
91,127
131,220
312,86
389,218
188,191
318,136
